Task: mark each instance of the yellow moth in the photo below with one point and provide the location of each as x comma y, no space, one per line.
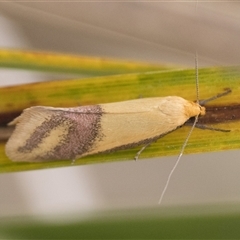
47,133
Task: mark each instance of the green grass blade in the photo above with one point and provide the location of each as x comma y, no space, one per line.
132,86
208,222
66,63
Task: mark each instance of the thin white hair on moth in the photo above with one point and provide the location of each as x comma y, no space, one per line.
188,136
201,104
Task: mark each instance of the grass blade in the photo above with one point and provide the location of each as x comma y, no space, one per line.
131,86
66,63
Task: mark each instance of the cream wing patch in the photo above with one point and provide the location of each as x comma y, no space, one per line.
131,122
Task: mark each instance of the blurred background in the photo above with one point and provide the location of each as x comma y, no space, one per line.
157,32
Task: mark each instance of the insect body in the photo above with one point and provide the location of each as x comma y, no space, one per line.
47,133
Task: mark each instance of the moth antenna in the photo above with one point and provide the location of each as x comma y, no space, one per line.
187,138
226,92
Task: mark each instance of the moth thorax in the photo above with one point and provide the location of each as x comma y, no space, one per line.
193,109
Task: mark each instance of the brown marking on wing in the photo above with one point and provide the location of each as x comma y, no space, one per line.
83,126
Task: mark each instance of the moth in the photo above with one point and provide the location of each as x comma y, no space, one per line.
48,133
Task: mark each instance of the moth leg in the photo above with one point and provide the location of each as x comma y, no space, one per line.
142,149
